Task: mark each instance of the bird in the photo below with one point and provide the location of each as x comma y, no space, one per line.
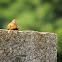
13,25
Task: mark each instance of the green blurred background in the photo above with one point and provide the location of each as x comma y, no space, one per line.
37,15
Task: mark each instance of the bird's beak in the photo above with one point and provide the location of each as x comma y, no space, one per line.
17,21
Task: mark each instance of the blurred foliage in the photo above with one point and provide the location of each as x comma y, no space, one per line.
38,15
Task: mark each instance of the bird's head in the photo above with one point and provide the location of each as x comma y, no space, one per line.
15,21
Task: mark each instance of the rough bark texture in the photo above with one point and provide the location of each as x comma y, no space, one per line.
27,46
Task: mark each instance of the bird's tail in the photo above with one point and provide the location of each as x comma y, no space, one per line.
20,27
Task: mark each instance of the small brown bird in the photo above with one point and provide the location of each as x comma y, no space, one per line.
13,25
